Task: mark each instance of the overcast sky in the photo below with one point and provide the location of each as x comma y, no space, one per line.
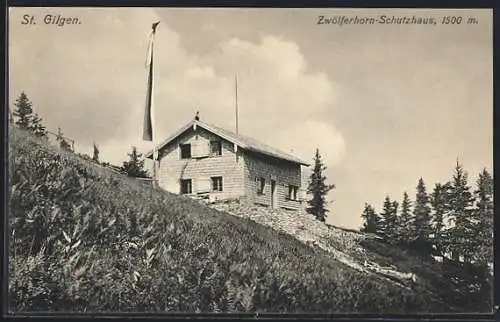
385,104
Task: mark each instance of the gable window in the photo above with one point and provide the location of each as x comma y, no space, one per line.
292,192
215,148
216,183
185,151
261,184
186,186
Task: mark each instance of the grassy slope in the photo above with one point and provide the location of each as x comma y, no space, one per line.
131,248
428,271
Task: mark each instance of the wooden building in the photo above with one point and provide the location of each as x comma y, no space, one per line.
206,161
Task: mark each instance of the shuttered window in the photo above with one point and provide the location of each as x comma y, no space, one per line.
203,185
200,149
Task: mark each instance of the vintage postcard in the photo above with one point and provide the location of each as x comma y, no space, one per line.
250,160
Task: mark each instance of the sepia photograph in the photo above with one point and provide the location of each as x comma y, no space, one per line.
250,160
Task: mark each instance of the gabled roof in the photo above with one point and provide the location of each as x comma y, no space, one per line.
244,142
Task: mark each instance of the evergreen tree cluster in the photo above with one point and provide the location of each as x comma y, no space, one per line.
453,222
25,118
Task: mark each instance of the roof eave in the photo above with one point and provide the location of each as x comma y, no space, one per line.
292,160
207,127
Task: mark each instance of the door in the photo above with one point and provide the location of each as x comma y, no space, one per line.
273,194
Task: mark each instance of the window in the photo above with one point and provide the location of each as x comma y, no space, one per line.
216,183
186,186
261,184
215,148
185,151
292,192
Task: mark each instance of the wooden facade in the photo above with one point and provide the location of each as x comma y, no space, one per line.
279,179
208,162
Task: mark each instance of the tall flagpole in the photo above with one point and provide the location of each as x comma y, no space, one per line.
153,136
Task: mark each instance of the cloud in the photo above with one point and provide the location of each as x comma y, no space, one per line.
91,81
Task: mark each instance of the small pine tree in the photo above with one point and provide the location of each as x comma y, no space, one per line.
405,220
95,155
37,127
63,144
318,189
389,220
23,112
371,220
422,220
135,166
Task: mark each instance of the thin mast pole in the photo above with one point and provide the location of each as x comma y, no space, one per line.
153,136
236,99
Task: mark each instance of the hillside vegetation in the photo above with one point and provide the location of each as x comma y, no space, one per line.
364,252
84,239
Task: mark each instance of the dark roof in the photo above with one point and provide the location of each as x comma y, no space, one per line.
244,142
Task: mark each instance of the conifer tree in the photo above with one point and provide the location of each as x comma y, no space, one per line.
482,241
395,209
26,119
389,221
23,112
461,213
397,219
318,189
483,216
371,220
469,236
440,206
134,167
422,220
405,220
37,127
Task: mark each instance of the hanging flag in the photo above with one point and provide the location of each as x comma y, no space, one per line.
148,117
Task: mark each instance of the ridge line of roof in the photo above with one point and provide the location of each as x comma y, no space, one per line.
233,138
